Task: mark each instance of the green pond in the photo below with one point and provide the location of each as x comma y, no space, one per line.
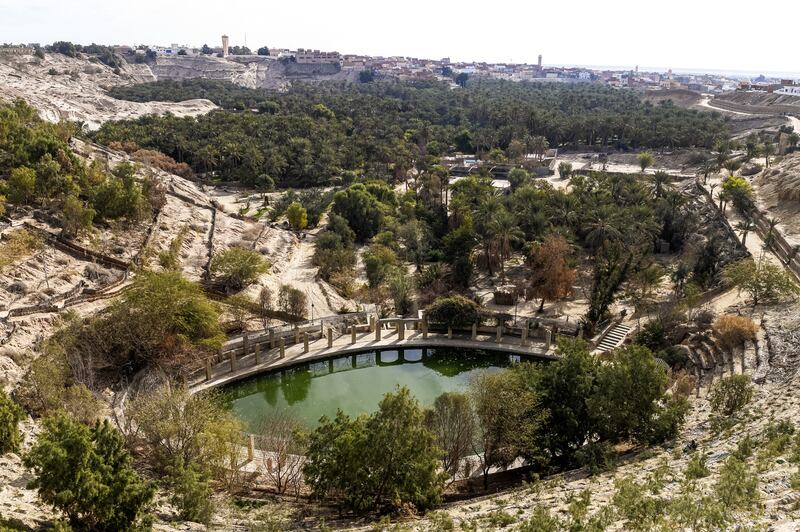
355,383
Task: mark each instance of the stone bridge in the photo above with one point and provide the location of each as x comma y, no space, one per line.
250,355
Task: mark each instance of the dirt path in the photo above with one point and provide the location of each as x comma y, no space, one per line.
292,266
705,102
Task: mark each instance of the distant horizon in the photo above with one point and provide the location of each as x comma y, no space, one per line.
692,36
737,74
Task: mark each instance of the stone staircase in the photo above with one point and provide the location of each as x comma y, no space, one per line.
613,338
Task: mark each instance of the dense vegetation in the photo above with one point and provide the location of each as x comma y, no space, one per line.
38,168
315,134
616,218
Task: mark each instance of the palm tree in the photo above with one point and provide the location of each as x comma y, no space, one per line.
794,140
745,226
599,232
504,231
768,149
707,167
539,146
731,165
679,276
769,240
660,182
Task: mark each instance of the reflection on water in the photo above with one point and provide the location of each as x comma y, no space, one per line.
355,383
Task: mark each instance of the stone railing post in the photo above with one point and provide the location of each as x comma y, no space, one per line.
272,338
257,350
524,334
233,361
245,342
283,347
449,332
296,335
305,342
251,447
372,324
548,338
424,327
474,331
377,331
330,337
208,369
401,330
353,334
499,334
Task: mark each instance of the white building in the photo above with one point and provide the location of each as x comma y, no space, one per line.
789,91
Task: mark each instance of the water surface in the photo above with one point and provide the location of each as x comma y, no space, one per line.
356,383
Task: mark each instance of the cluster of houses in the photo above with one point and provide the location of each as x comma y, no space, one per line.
787,87
417,69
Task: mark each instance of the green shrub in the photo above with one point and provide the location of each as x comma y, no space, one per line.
453,311
86,473
541,521
191,493
744,449
731,394
501,519
696,467
10,416
737,485
237,267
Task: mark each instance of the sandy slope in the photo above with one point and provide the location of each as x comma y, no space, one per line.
75,91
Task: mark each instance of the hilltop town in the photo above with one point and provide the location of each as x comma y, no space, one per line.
308,63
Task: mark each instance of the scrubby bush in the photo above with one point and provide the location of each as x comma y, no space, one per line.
292,301
182,429
379,260
49,386
161,319
237,267
733,331
731,394
297,216
737,485
696,467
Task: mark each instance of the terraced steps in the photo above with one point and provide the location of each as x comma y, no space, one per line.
613,338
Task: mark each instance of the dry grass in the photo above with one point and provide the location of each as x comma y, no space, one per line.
18,245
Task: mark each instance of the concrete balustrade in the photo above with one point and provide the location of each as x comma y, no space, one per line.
249,357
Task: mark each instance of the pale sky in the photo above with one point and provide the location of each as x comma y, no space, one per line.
694,34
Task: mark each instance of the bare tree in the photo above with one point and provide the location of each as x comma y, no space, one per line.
280,440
